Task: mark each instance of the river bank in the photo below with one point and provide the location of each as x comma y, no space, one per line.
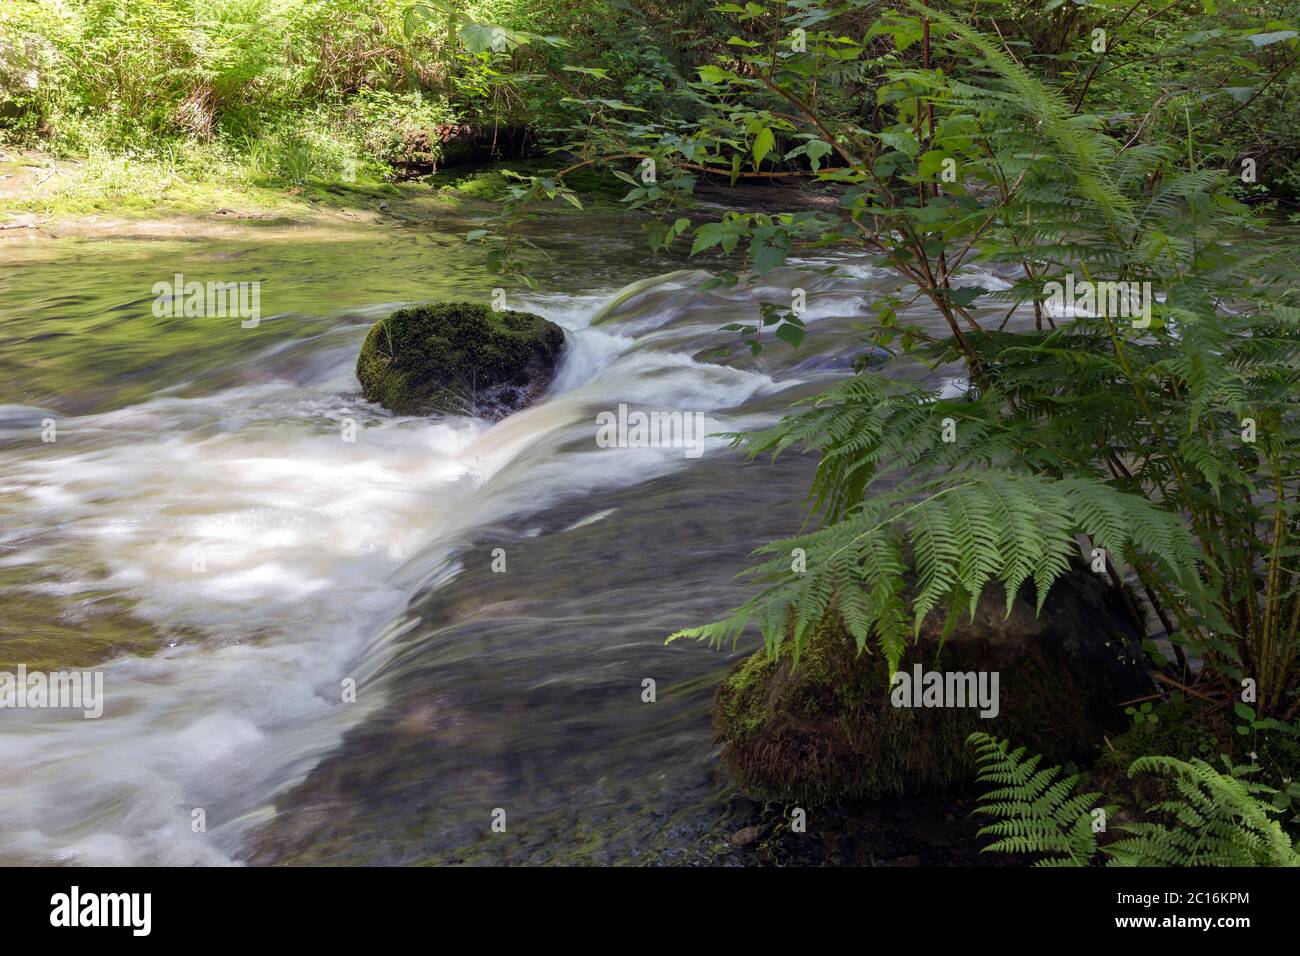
42,196
47,197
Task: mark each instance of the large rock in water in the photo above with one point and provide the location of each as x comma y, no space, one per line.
458,358
827,730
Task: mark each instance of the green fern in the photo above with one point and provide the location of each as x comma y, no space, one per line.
1038,810
1215,819
960,532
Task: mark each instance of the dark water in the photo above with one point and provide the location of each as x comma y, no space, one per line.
201,514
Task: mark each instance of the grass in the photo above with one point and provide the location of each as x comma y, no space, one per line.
194,179
186,178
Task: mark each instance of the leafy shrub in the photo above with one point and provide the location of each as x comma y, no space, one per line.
1172,443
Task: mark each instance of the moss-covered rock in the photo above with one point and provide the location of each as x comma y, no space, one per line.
827,730
458,358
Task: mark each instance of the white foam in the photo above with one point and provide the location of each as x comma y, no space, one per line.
273,560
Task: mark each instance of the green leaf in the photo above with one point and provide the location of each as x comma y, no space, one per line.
714,74
598,72
903,140
707,236
965,296
484,37
763,144
816,150
931,162
792,334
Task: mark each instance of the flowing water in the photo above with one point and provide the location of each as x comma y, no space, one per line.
203,523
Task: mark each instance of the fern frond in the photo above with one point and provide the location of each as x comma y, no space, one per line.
1039,811
1217,819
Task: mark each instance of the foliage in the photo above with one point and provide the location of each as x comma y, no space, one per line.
1211,818
1039,811
963,530
310,88
1169,438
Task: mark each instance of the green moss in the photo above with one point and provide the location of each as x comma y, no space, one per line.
741,708
599,189
597,184
457,358
478,183
203,182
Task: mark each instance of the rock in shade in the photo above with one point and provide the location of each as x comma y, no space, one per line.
835,728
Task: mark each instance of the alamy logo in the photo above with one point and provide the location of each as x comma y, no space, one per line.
65,690
1116,300
946,689
214,300
103,909
655,429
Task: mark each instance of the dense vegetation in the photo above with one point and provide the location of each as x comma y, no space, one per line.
1134,143
297,90
287,93
1209,818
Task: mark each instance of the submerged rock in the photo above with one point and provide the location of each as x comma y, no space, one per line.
458,358
829,729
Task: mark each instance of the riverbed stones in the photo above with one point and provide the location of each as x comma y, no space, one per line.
458,358
834,728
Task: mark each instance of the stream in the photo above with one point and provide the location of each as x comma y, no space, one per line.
202,520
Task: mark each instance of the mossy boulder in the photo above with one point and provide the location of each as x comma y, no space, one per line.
827,730
458,358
